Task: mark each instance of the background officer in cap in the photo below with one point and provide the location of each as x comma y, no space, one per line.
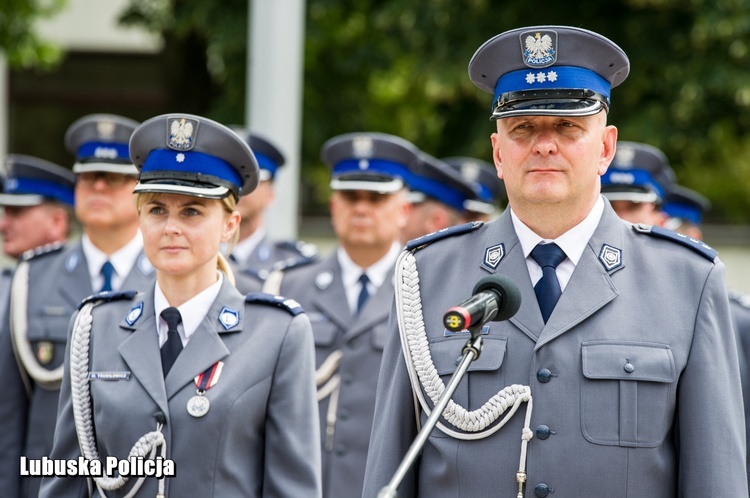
223,382
685,208
255,253
48,287
490,189
37,204
348,294
620,358
438,195
637,182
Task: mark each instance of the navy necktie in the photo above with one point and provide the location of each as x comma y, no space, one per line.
171,349
547,290
107,271
363,293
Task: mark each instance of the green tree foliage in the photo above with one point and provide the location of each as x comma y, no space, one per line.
400,66
18,41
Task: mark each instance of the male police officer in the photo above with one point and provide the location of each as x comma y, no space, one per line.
48,287
637,182
438,195
490,189
37,204
632,373
256,255
348,294
685,208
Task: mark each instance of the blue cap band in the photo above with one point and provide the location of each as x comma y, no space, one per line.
191,162
437,190
29,186
377,166
684,211
266,163
557,77
104,151
485,194
632,177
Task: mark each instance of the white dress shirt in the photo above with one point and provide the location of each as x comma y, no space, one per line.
123,261
376,273
193,311
573,242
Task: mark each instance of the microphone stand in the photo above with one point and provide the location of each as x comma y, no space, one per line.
471,351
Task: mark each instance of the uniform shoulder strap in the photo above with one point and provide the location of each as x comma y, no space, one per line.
44,250
108,296
289,305
424,240
696,245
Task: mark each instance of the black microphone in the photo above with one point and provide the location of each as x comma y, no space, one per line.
495,298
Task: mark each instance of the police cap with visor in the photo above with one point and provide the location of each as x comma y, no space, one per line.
269,157
99,143
685,204
192,155
483,175
432,178
638,173
377,162
30,181
548,70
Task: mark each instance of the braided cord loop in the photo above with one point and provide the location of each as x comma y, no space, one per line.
146,446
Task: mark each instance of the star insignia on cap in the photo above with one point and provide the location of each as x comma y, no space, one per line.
610,257
180,158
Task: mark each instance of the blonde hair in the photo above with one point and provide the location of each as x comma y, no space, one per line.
229,204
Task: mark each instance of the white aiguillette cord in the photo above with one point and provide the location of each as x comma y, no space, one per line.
145,447
422,373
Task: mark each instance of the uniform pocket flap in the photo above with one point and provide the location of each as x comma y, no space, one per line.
628,361
447,354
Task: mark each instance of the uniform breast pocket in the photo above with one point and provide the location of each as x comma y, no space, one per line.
628,393
48,335
378,335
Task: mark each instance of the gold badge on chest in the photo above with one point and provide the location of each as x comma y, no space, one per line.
45,351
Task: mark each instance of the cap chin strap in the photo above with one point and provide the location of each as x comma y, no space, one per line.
145,447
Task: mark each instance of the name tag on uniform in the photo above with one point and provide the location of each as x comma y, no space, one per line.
448,333
109,376
55,311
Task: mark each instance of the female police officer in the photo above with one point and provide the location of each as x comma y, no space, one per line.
235,415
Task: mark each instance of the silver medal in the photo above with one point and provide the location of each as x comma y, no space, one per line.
198,406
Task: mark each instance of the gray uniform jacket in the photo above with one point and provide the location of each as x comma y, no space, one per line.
320,291
739,305
260,436
58,281
269,255
634,378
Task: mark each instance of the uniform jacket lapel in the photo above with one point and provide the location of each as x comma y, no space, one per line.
513,265
590,287
206,346
141,352
375,311
331,300
76,284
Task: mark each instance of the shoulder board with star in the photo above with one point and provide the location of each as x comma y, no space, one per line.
289,305
109,296
442,234
44,250
696,245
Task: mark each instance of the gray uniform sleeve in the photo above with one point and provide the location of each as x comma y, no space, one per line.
66,441
292,459
394,425
711,428
13,412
